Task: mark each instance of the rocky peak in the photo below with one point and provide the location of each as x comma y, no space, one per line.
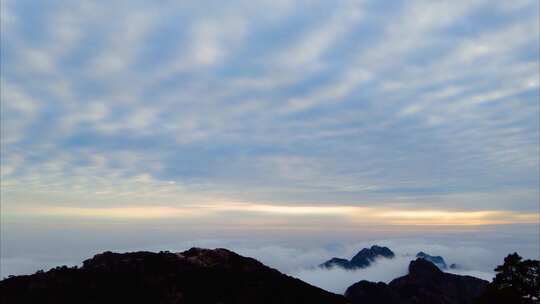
366,256
425,284
336,262
437,260
362,259
424,269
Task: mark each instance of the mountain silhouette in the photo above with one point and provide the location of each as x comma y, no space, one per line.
193,276
437,260
362,259
424,284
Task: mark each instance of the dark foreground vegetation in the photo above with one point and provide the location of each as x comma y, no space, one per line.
517,281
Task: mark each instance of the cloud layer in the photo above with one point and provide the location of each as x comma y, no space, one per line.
477,252
385,270
411,105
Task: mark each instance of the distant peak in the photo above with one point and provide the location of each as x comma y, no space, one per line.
362,259
365,256
437,259
422,268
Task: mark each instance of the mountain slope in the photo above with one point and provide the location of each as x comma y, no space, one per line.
194,276
425,284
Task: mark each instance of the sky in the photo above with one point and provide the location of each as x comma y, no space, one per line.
265,117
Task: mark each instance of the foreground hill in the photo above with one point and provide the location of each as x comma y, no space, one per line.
193,276
425,284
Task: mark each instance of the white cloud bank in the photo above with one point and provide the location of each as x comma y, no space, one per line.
382,270
337,279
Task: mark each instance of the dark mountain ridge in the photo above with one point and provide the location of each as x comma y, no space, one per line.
222,276
193,276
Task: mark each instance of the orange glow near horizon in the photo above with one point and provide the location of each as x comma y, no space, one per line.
446,217
237,212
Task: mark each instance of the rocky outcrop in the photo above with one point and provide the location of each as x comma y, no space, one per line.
362,259
425,284
437,260
337,262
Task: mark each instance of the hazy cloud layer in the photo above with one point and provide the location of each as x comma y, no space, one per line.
296,253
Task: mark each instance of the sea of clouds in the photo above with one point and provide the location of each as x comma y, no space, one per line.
385,270
302,263
476,253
